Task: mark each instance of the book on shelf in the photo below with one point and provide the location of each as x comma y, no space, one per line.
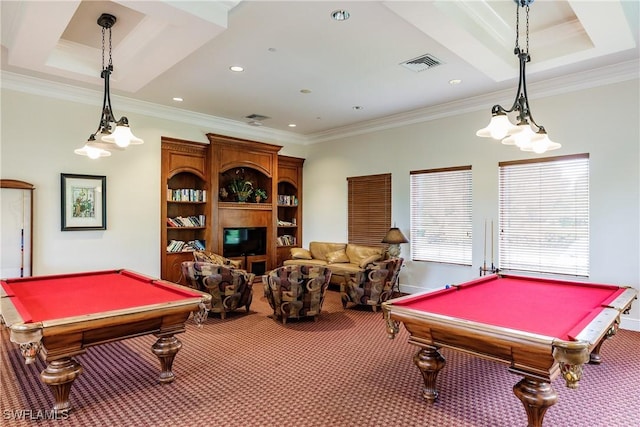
287,200
282,223
182,246
286,240
187,221
186,195
175,246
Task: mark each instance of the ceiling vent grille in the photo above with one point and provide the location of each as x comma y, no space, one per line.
256,117
421,63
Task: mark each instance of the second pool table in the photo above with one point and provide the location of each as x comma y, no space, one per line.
541,328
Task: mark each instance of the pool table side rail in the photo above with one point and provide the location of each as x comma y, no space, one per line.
522,351
609,317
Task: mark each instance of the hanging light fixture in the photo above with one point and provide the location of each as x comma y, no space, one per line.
112,134
527,134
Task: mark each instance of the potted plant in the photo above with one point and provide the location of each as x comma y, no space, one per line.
260,194
240,186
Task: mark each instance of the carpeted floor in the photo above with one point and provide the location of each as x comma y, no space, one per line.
342,370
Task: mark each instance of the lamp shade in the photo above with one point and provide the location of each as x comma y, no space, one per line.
394,237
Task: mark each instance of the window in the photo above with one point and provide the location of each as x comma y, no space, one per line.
369,208
544,215
441,215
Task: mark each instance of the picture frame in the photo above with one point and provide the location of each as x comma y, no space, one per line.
83,202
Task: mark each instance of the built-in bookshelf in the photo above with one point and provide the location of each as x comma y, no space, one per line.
185,180
289,207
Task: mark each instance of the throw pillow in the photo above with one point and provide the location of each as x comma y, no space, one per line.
337,257
299,253
368,260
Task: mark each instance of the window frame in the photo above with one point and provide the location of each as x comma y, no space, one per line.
368,208
453,230
549,197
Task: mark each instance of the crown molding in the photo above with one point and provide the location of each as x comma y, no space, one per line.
570,83
66,92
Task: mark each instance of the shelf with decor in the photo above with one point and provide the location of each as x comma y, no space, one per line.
186,206
244,176
289,206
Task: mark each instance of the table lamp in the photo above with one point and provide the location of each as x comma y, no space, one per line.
394,237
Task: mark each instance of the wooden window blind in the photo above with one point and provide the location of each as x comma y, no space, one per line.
544,215
369,208
441,220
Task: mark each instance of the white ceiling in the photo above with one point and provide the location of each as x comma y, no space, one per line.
166,49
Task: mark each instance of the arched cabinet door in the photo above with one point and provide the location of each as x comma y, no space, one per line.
16,229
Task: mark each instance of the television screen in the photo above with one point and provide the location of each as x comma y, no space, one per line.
242,241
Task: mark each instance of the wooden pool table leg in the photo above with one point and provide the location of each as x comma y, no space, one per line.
59,376
536,396
430,362
166,349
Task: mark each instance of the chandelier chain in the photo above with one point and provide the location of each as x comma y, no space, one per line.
111,63
517,48
526,30
103,30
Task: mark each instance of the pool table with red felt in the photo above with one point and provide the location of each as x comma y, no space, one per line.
541,328
60,316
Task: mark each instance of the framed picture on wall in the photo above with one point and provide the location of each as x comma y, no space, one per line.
83,202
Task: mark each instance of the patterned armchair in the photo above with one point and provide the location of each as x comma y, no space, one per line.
205,256
372,286
296,291
229,288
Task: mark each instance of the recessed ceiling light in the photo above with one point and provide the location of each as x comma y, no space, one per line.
236,68
292,125
340,15
178,99
358,107
454,82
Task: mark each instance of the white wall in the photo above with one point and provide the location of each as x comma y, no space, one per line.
602,122
39,134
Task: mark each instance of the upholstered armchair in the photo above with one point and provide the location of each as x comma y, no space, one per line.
229,288
372,286
206,256
296,291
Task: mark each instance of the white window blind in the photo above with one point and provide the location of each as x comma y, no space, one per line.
544,215
441,215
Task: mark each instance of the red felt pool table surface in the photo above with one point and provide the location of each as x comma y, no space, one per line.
541,328
59,317
553,308
39,299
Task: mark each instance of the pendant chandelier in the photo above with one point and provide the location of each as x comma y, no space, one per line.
526,134
111,134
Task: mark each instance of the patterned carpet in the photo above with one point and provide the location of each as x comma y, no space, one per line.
342,370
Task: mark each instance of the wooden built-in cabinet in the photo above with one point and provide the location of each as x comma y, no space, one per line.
258,163
185,204
199,206
289,207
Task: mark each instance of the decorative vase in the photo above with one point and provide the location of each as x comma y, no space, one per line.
243,195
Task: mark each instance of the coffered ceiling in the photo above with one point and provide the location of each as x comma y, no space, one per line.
325,76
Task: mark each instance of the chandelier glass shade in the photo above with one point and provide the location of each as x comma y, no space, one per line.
111,134
526,134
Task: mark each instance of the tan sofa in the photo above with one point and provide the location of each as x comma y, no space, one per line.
343,259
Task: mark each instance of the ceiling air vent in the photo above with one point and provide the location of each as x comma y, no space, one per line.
256,119
421,63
